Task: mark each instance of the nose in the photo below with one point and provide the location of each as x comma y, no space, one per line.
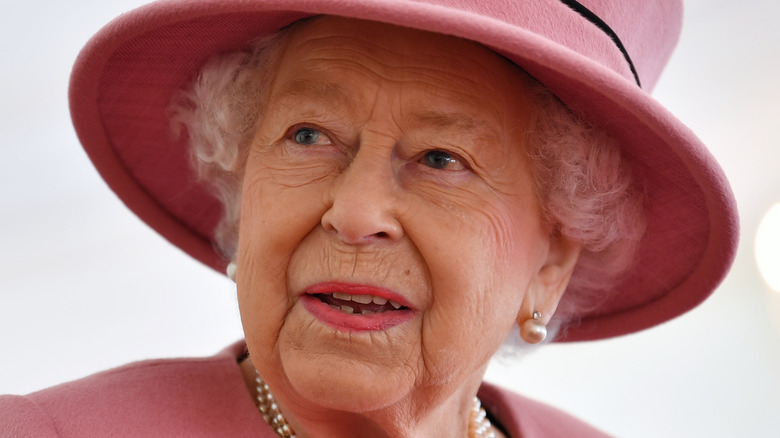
364,202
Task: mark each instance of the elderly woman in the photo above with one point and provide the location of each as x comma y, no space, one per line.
394,186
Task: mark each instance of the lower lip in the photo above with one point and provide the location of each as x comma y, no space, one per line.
353,322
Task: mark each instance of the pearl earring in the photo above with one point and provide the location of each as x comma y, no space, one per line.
231,271
533,330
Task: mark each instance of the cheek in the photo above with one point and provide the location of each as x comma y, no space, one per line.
282,200
480,273
275,216
485,237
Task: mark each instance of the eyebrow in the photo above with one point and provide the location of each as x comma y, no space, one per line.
477,128
327,91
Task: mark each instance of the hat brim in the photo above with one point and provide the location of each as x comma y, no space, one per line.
125,77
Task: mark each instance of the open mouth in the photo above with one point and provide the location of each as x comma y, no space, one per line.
356,307
359,304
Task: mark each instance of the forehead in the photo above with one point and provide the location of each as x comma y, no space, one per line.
323,53
398,46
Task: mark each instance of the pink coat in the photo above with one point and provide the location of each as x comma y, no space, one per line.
206,397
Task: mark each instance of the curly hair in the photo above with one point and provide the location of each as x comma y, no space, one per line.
589,193
585,187
219,112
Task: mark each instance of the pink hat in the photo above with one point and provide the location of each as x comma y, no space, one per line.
593,55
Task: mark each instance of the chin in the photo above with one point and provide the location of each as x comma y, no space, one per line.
332,382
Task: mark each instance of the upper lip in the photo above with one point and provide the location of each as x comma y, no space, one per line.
354,289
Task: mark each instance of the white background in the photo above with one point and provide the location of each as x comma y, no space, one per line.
85,286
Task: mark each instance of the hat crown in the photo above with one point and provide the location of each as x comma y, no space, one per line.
648,31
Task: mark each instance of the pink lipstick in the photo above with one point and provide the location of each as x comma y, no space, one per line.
356,307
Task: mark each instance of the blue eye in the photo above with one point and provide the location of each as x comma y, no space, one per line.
307,136
438,159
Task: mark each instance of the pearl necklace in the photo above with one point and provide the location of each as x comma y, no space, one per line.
479,423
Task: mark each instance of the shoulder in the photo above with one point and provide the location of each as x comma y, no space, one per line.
529,418
21,417
168,397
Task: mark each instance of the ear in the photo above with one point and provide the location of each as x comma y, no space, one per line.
548,285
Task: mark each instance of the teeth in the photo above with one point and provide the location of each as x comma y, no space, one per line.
347,309
367,312
342,296
362,299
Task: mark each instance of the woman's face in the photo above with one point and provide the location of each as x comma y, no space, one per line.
389,166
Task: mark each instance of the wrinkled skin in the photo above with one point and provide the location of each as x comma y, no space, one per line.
394,158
